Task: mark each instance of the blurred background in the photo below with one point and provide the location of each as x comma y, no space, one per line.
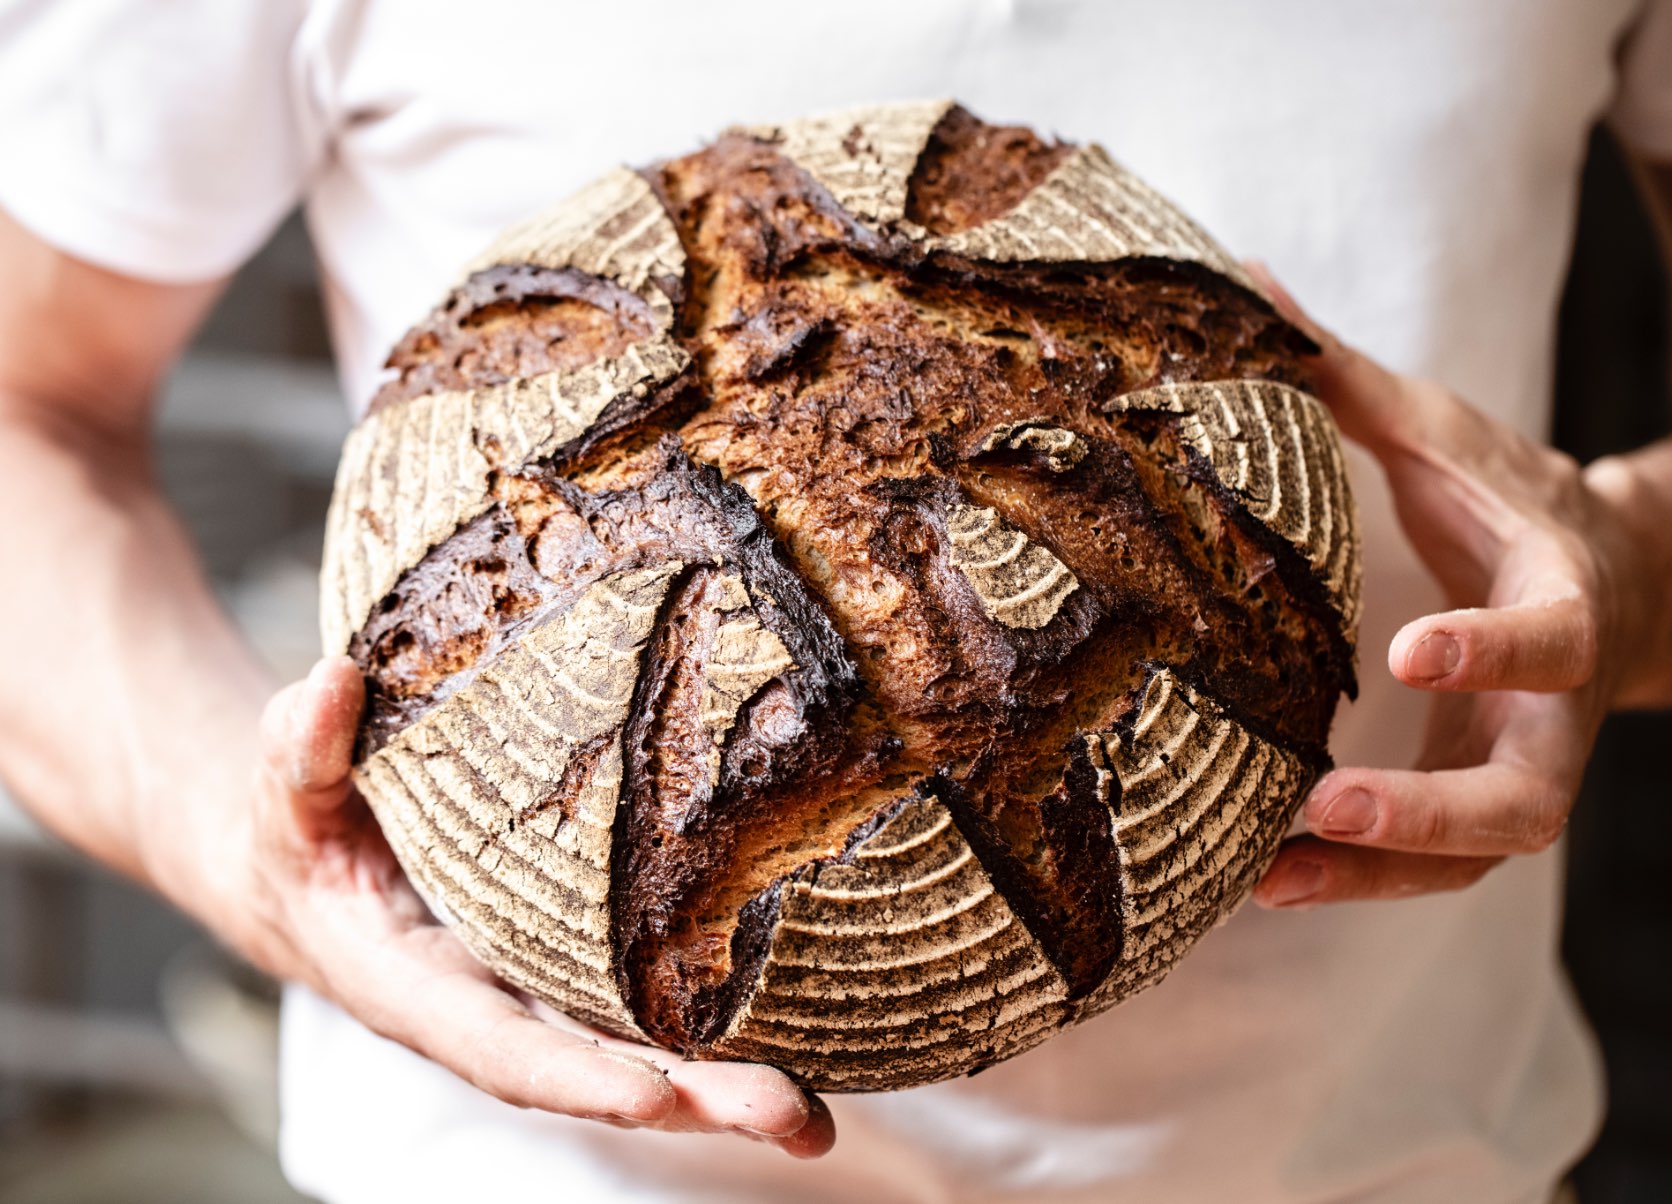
137,1062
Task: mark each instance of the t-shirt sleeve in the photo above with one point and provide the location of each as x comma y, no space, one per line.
159,138
1642,110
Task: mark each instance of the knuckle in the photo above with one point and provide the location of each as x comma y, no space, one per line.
1583,644
1541,807
1486,658
1426,826
1546,826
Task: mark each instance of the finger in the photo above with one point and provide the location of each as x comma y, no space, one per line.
1491,810
754,1099
327,716
815,1138
308,728
757,1101
1369,402
1309,871
428,992
1548,647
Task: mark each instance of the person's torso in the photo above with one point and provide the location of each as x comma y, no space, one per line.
1409,171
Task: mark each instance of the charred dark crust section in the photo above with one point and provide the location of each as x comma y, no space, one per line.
1193,323
993,668
455,609
774,212
1077,821
1315,756
683,823
972,172
1275,578
751,942
539,547
509,322
1305,588
1068,893
683,817
1131,558
750,945
633,417
687,512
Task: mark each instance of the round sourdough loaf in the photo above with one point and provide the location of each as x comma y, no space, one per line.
859,597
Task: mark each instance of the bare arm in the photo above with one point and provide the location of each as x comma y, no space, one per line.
105,600
136,723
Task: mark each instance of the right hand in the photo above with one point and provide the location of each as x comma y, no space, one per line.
333,910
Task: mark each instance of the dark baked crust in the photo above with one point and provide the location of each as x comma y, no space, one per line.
971,171
865,414
513,321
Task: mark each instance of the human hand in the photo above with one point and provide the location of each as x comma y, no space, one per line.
1523,671
334,910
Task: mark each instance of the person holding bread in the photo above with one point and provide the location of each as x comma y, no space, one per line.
1391,1023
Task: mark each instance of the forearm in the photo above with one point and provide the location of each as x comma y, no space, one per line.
1636,489
128,715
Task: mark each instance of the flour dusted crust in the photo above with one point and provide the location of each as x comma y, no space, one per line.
1092,208
1203,803
1089,208
409,479
614,228
859,597
863,157
1019,582
1276,448
894,959
501,805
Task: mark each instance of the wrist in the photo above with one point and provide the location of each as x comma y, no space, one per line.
1633,494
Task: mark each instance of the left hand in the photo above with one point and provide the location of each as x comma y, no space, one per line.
1522,671
317,897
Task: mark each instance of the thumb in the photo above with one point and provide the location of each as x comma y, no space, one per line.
307,735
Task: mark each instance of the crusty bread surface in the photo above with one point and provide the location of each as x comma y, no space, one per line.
859,597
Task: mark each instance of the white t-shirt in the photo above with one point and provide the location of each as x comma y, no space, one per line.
1409,169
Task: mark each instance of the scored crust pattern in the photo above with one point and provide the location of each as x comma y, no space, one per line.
885,963
1019,582
406,483
860,597
614,227
473,796
1091,208
1276,448
863,157
1203,803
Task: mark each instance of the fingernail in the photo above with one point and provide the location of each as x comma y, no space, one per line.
1350,813
1435,656
1299,881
